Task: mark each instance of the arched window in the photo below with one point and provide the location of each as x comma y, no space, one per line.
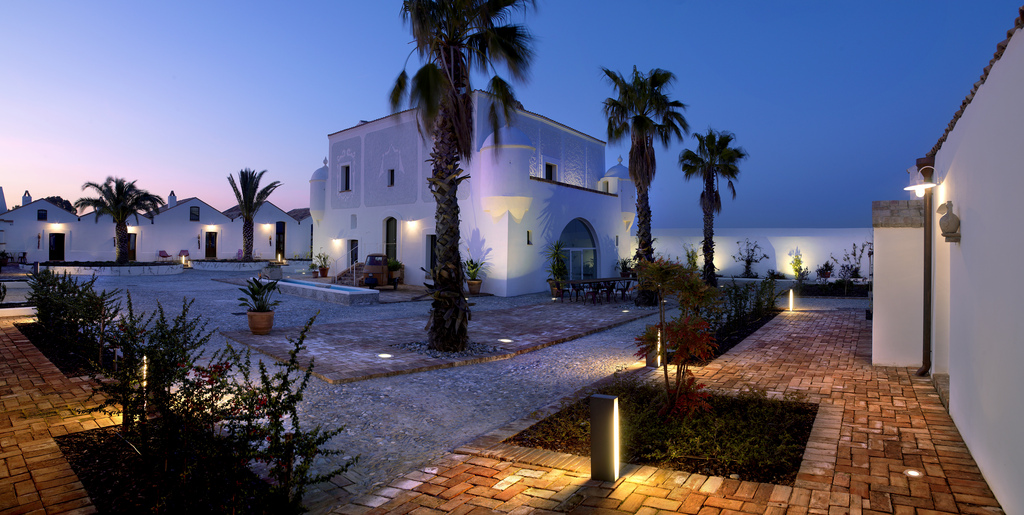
581,249
391,238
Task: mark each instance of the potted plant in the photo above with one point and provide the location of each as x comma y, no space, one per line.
824,271
474,270
397,270
4,258
313,270
624,266
260,307
557,270
323,263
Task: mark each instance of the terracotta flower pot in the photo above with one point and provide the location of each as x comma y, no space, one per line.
324,272
260,322
474,286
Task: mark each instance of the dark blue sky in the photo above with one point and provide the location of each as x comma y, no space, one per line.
832,100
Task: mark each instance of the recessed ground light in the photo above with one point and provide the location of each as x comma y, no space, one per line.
505,340
625,311
384,356
913,473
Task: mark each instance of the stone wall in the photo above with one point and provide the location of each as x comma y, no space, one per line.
897,213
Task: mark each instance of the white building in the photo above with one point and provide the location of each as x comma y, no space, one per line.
44,232
540,182
976,328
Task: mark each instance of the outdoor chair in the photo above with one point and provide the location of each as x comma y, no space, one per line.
183,253
164,255
23,258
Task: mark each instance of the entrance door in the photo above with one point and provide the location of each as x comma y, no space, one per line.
279,246
56,246
353,252
211,245
391,238
131,246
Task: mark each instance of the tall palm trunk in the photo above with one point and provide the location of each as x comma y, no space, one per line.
710,278
247,240
448,327
121,235
645,243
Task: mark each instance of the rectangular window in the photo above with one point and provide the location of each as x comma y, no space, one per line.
41,215
616,240
550,171
529,237
193,214
345,178
391,178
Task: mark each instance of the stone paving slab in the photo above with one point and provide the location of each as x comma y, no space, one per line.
875,424
347,352
36,403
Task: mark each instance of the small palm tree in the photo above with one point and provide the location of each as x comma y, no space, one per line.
250,198
714,159
120,199
643,111
456,38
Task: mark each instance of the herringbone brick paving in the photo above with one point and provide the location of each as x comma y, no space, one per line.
878,423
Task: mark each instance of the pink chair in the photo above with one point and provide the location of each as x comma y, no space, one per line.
164,255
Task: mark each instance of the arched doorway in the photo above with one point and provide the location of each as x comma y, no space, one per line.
581,250
391,238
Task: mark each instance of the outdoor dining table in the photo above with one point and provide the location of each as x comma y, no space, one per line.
592,288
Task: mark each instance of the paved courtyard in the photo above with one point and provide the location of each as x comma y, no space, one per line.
875,424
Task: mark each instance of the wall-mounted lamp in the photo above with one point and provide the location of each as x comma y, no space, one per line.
39,241
926,181
949,224
199,240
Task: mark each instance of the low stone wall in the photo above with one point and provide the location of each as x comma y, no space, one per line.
111,270
230,266
324,294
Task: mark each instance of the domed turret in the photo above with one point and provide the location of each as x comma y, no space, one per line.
618,171
318,192
504,171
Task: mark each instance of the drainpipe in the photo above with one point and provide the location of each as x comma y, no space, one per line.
926,166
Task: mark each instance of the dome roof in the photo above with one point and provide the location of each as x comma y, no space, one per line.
321,173
509,137
618,171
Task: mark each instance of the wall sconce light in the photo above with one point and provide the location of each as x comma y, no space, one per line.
39,241
270,240
199,240
604,437
926,180
949,224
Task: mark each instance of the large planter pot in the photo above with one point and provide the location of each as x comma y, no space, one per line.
474,286
324,272
261,322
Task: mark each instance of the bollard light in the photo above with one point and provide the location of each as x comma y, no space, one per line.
791,299
604,437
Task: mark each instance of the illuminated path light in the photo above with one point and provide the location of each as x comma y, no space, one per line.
385,356
791,299
604,437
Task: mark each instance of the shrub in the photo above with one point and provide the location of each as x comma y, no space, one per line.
749,254
824,271
71,311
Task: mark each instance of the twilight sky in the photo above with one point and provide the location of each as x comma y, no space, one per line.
832,100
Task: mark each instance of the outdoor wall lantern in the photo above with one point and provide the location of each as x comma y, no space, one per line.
919,188
604,437
39,241
949,224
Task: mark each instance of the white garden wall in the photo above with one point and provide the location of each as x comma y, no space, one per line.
815,245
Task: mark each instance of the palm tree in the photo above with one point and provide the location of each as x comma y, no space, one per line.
644,112
250,198
455,38
120,199
713,160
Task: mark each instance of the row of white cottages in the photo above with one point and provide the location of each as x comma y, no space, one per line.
39,230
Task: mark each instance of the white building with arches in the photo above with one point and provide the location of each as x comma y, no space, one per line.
538,182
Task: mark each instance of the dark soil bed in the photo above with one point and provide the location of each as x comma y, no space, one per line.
754,437
61,355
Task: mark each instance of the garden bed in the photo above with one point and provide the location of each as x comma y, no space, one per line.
109,268
756,438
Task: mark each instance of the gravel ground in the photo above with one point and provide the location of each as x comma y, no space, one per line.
397,424
401,423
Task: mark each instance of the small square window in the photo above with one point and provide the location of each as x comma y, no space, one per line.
391,178
193,214
550,171
529,237
616,240
41,215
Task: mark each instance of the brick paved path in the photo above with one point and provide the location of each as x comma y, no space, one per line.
35,406
874,425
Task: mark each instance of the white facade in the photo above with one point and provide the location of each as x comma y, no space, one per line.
816,246
378,172
46,232
977,326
